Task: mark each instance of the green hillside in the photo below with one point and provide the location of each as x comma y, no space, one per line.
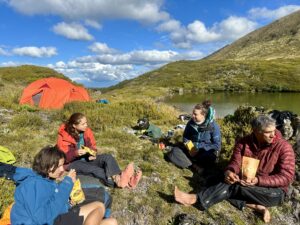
222,75
267,59
23,75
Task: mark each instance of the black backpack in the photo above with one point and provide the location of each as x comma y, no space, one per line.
143,123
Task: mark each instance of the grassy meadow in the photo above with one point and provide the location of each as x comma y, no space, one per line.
25,130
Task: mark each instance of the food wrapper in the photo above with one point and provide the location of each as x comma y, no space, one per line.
88,150
249,167
77,194
189,145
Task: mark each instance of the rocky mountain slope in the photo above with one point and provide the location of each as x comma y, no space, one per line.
280,39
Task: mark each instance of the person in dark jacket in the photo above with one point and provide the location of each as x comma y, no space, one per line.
267,188
202,139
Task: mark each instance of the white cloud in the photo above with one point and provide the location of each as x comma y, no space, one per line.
73,31
141,10
35,51
3,52
264,13
120,66
10,63
196,32
139,57
93,23
233,28
169,26
101,48
94,71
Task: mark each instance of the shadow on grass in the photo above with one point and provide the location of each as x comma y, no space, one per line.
166,197
207,178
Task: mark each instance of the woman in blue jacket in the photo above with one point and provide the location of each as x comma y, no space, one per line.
202,140
40,199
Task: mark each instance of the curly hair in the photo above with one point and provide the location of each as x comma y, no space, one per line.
74,119
47,160
203,107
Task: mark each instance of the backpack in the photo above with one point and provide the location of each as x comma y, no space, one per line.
143,123
284,122
6,156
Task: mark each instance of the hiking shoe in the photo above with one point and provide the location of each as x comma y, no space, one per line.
125,176
134,180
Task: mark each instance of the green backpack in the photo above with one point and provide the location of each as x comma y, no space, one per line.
153,132
6,156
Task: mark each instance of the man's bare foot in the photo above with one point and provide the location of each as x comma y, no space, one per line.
184,198
263,210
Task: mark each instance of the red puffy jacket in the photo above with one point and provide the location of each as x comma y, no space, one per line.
277,160
68,144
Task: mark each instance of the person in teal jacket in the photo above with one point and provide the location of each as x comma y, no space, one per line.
201,138
41,199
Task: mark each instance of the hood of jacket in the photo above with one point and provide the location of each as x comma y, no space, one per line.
66,136
22,174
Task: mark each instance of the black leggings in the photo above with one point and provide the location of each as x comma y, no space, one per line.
103,167
239,195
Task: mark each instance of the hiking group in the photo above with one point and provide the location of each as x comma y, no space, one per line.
41,199
257,185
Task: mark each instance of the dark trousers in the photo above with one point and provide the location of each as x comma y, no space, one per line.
181,157
103,167
204,158
239,195
7,171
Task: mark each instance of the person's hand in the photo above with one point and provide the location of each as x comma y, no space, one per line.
72,203
249,182
81,152
91,158
193,152
231,177
72,174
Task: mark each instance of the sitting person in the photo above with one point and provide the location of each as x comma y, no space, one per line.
275,172
40,199
73,137
202,140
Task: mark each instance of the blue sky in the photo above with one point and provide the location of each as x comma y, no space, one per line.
102,42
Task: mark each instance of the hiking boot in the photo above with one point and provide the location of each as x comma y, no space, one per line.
123,179
134,180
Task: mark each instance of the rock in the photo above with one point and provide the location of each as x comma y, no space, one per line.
186,219
287,129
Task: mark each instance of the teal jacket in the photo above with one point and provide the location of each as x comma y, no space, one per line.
204,137
39,200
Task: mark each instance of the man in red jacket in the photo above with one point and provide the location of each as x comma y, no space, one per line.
275,172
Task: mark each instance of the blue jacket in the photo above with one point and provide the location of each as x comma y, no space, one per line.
204,137
39,200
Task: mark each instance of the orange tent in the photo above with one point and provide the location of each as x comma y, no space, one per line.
52,93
